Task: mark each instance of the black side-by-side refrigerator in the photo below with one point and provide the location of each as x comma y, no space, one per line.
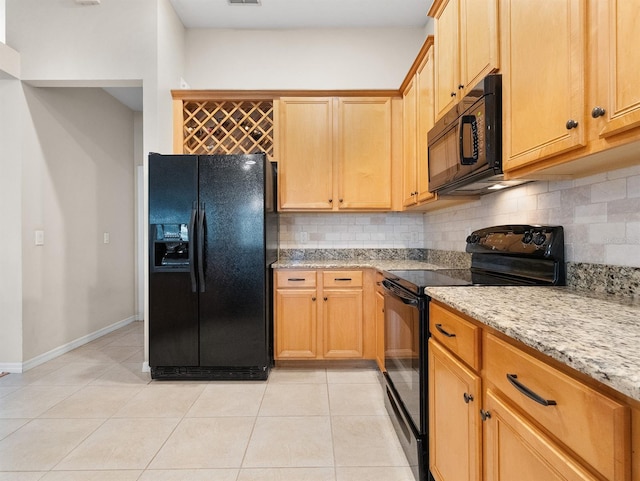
213,234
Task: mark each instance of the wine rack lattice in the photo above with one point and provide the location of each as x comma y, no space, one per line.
228,127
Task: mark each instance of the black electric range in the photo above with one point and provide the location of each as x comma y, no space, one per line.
500,255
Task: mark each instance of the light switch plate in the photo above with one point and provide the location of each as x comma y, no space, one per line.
39,237
105,237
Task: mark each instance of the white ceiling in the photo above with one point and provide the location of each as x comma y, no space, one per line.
292,14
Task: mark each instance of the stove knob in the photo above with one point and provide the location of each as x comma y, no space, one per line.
539,239
473,239
527,237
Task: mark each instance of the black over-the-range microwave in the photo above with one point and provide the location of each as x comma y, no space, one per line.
465,145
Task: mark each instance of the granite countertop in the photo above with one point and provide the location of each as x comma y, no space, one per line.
382,265
597,336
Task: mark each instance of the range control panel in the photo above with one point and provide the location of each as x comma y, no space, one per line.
518,240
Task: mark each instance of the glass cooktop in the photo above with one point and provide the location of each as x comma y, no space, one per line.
416,280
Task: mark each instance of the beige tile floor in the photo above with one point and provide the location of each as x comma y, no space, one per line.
92,415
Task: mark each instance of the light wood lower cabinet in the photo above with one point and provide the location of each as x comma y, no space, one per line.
379,321
515,449
538,420
319,314
455,429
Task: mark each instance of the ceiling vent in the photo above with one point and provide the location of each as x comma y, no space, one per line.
244,2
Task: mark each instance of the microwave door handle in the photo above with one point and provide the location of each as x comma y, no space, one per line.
468,122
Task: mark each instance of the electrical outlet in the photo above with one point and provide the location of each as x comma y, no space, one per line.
304,237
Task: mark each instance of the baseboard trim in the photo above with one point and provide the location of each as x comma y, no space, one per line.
17,367
145,367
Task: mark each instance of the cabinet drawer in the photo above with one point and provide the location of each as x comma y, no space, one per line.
290,278
594,426
342,278
458,335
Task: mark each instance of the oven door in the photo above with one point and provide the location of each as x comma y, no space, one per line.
404,353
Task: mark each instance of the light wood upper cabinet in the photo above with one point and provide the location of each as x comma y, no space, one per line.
580,74
425,121
418,119
479,41
447,50
305,170
466,47
335,154
616,61
364,153
409,141
543,79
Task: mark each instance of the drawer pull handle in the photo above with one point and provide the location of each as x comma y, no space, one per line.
442,331
342,279
296,279
513,379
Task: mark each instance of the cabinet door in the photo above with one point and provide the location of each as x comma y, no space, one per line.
295,323
447,58
380,330
306,149
617,63
514,449
342,323
543,79
364,153
424,124
454,421
409,131
478,40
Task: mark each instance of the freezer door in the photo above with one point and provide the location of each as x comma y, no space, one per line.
233,306
173,300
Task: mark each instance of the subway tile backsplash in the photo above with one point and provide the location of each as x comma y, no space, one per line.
352,231
600,215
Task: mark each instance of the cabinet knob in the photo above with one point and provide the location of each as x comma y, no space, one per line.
330,201
485,414
597,112
340,200
460,86
467,397
571,124
325,298
313,299
453,94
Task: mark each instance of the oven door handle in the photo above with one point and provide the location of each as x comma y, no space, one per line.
399,294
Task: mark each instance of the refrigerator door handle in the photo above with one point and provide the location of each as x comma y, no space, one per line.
192,245
201,227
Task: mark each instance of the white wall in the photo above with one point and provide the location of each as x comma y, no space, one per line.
300,59
3,23
11,114
78,183
600,215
